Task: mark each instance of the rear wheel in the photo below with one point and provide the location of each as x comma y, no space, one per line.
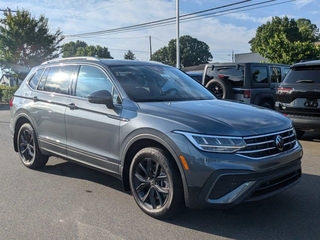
155,183
266,105
28,148
221,89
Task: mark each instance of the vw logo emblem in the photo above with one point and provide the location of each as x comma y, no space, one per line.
279,143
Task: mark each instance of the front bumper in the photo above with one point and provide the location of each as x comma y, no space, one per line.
226,179
225,188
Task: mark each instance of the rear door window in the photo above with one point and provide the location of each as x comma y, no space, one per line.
57,79
275,74
259,74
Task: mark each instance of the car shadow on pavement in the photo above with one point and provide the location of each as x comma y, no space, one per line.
72,170
292,214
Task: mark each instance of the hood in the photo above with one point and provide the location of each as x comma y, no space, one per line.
219,117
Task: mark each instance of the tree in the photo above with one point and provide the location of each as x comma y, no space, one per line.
162,55
129,55
192,52
26,41
69,49
285,40
80,48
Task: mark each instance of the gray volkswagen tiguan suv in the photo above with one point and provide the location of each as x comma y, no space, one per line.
165,136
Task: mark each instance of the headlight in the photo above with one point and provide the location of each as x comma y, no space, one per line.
219,144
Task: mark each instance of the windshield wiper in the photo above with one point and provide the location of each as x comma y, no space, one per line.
305,81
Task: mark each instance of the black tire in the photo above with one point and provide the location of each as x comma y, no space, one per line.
221,89
155,183
266,105
28,148
299,134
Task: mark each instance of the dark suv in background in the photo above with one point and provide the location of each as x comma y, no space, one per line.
248,82
298,97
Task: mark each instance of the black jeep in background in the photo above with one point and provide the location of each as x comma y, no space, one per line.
253,83
298,97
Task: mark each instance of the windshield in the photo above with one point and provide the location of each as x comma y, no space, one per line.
151,83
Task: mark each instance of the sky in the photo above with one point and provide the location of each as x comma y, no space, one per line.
226,29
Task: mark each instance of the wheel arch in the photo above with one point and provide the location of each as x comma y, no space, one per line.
143,142
19,122
262,98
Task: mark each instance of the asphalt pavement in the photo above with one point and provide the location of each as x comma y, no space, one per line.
67,201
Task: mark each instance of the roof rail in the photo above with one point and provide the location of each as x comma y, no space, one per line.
71,58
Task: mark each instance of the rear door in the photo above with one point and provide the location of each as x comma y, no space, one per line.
49,104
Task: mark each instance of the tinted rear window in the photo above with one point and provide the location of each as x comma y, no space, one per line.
311,74
231,73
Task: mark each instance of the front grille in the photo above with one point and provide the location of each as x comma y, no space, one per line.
265,145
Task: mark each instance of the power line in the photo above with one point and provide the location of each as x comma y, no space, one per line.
156,22
7,10
184,18
234,10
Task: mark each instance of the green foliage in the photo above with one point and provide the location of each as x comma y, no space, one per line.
162,55
129,55
6,93
26,41
287,41
192,52
80,48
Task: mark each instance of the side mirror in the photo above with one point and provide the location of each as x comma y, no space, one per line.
101,97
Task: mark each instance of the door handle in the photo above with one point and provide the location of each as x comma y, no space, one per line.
35,99
73,106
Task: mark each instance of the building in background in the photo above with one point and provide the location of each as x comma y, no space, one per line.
249,57
9,80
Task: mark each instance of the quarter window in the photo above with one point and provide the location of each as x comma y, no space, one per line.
35,79
43,80
91,79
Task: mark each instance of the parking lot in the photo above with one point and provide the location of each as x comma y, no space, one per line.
67,201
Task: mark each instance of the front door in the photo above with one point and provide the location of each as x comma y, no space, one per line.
92,129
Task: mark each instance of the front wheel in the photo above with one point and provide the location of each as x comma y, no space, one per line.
155,183
28,148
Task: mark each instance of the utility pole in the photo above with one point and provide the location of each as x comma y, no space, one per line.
150,47
178,42
7,10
